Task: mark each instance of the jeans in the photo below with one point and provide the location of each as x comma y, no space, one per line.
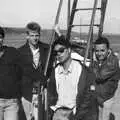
104,113
29,108
9,109
62,114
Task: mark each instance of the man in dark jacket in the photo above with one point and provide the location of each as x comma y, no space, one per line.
10,80
70,86
33,55
106,68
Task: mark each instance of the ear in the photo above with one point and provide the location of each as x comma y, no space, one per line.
69,50
27,37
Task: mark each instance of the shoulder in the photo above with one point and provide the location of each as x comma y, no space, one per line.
112,59
43,45
84,67
12,53
22,47
11,49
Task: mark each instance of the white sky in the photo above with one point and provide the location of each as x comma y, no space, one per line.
17,13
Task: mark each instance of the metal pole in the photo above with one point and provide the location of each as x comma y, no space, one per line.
68,13
103,10
71,19
44,95
90,31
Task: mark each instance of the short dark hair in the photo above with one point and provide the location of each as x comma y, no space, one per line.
102,40
62,41
33,26
2,32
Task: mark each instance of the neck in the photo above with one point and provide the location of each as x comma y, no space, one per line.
67,63
1,47
33,46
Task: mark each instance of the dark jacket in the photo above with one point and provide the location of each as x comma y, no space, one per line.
84,99
31,74
10,73
107,76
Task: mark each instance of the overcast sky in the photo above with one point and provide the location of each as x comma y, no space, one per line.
17,13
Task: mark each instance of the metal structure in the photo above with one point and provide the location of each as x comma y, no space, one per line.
91,25
42,93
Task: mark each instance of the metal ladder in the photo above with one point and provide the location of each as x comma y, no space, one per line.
91,25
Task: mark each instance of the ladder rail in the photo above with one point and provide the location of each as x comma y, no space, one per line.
90,31
43,92
71,19
103,11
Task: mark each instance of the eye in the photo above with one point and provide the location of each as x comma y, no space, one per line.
102,50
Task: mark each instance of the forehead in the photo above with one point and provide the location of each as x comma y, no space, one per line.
100,46
1,36
30,32
58,46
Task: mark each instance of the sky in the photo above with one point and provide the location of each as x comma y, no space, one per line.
17,13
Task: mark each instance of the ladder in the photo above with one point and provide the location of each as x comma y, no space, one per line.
91,26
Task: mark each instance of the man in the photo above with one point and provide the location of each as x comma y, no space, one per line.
10,79
69,88
106,68
33,55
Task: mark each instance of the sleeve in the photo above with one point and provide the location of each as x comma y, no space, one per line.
85,98
106,91
18,69
108,71
110,75
52,93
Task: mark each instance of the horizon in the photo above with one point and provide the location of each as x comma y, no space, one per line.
62,30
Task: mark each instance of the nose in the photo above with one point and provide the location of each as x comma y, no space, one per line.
34,37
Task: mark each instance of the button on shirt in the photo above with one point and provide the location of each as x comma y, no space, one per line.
67,84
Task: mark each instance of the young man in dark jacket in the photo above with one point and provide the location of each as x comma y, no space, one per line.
10,80
33,54
70,86
106,68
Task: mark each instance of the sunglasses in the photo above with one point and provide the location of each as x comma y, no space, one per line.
61,50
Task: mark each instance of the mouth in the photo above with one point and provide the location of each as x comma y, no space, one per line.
59,58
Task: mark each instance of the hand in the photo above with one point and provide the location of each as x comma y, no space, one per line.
42,81
57,29
36,84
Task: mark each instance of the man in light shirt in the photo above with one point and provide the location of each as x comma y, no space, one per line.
69,89
33,54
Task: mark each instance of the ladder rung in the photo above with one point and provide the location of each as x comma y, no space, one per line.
86,25
86,9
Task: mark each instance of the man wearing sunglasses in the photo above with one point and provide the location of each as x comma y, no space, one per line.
69,89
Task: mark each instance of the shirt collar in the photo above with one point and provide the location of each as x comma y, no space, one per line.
61,69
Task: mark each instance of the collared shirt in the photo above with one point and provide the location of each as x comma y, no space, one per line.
36,56
67,84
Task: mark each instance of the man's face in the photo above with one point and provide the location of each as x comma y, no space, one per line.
62,53
33,37
101,51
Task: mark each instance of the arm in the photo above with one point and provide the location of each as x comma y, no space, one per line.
110,75
85,97
57,30
106,91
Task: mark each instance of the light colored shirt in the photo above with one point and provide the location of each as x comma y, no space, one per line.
67,84
36,56
77,56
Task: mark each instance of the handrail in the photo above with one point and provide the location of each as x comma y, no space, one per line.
44,95
90,34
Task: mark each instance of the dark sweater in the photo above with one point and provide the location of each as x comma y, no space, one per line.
10,73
